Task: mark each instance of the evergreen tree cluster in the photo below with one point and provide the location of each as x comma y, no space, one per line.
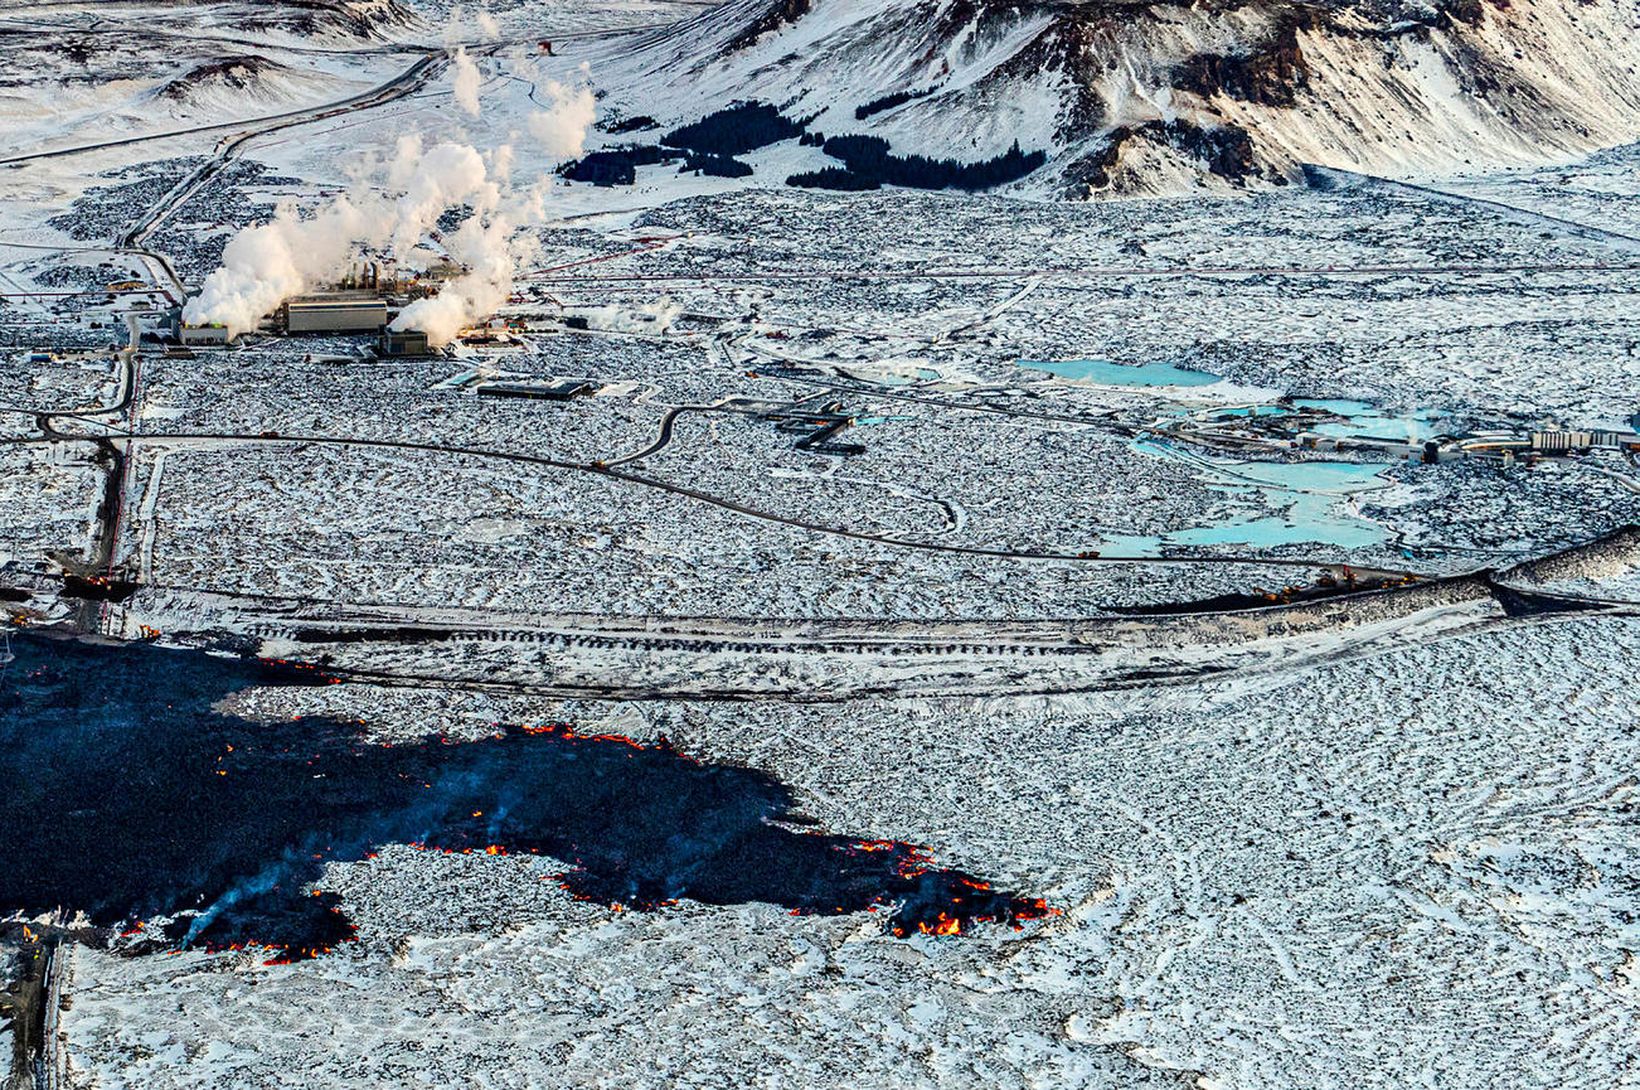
888,102
868,164
743,127
710,145
616,166
839,178
640,123
717,166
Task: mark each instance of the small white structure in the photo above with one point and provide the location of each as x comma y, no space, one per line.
196,336
1565,442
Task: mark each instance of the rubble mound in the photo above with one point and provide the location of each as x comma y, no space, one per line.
245,74
342,18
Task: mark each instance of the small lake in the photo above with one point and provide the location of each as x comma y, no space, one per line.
1308,497
1110,373
1361,418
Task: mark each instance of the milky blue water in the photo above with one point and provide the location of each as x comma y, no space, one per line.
1308,498
922,374
1251,411
1364,418
1109,373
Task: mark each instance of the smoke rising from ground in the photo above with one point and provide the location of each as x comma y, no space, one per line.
216,828
465,80
656,317
263,266
562,128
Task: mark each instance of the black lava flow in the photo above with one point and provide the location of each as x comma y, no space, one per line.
129,798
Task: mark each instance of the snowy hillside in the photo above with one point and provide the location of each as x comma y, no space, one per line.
1133,98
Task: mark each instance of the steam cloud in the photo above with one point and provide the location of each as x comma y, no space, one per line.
491,259
263,266
653,318
562,128
465,81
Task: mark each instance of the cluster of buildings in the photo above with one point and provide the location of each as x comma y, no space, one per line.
363,302
1568,442
1244,427
1552,442
330,312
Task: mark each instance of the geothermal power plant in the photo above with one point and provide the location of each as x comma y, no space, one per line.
366,301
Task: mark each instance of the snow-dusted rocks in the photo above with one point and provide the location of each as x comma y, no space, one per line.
1168,97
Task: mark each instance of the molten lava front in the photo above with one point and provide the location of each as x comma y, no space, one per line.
218,827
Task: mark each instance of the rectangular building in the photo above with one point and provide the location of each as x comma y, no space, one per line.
562,390
335,315
197,335
404,342
1560,442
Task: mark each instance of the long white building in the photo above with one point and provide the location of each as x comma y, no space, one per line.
334,315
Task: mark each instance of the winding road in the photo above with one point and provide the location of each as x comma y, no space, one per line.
406,82
195,438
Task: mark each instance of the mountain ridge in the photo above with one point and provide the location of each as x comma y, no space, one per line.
1130,98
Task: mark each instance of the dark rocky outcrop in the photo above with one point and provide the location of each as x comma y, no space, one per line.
1224,151
778,14
1248,89
1270,73
237,73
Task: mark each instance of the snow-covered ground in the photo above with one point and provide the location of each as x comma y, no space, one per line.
1388,842
1162,98
1393,872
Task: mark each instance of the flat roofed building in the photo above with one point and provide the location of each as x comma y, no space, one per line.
335,315
1562,441
202,334
405,342
194,335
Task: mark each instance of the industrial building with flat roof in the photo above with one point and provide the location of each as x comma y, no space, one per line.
195,335
1565,442
334,314
202,335
404,342
561,390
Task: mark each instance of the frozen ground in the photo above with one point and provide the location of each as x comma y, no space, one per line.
1474,317
1348,877
1389,842
1304,294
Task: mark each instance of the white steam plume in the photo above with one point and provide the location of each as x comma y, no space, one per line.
501,164
651,318
448,176
562,127
465,80
263,266
486,251
487,25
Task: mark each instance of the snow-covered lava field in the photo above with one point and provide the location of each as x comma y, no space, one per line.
792,636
